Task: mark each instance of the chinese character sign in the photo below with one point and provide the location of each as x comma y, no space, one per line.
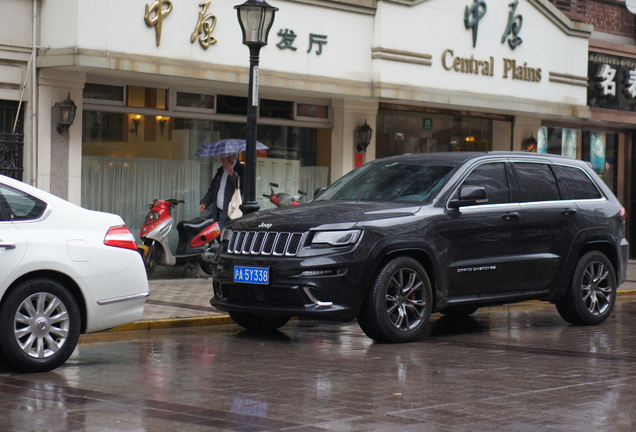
612,82
205,27
472,15
156,21
513,27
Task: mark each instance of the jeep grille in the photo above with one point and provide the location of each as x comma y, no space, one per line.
264,243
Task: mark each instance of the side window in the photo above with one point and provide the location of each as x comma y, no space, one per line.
19,205
577,183
536,182
494,179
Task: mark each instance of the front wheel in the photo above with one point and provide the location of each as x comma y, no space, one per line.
590,297
399,302
39,326
258,323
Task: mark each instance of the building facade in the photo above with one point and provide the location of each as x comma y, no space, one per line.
154,80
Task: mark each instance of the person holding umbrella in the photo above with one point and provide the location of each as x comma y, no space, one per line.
222,187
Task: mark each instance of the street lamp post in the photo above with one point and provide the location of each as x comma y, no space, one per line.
256,18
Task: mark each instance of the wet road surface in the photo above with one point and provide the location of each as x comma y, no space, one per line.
517,368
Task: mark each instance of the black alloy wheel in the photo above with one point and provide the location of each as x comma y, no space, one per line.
590,297
40,325
399,303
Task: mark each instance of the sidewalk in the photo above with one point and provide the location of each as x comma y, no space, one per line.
177,301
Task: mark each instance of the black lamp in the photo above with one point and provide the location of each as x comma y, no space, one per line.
531,144
364,133
256,18
68,108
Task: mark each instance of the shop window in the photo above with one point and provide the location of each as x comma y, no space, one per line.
145,97
599,148
195,102
234,105
400,132
104,94
276,109
312,112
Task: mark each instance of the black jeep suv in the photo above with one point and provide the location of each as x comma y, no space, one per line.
399,238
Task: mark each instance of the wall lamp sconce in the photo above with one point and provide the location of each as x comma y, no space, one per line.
69,109
136,119
162,123
530,144
364,133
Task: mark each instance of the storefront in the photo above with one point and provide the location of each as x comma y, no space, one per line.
154,80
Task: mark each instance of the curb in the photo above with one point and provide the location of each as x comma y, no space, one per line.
166,323
221,319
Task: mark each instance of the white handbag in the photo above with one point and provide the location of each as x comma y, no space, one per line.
234,208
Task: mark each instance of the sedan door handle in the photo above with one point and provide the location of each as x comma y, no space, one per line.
569,211
7,245
511,215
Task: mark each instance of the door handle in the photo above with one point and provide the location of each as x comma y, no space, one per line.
569,211
510,215
7,245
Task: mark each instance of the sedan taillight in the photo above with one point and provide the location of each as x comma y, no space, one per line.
120,237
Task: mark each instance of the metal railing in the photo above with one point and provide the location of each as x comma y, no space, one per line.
11,154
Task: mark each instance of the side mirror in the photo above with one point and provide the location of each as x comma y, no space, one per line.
319,191
469,196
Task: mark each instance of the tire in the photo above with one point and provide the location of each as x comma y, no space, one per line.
399,302
151,261
257,323
590,297
207,267
40,325
459,311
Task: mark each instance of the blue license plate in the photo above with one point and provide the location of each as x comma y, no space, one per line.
251,275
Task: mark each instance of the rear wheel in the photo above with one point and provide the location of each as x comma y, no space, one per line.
258,323
591,295
399,302
39,326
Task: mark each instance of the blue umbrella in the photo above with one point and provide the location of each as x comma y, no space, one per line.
226,146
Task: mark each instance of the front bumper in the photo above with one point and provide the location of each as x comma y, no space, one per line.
326,288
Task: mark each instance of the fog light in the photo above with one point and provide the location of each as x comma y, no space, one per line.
317,273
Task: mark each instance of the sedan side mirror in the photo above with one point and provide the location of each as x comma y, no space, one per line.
469,196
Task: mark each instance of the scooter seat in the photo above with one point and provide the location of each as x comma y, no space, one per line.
195,225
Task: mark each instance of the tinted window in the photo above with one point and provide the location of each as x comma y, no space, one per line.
390,181
494,179
536,182
577,183
19,205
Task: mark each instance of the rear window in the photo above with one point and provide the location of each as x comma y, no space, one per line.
577,183
19,205
408,182
536,182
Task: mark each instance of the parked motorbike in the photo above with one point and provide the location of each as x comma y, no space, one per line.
196,239
283,199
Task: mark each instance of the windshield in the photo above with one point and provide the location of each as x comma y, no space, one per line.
414,182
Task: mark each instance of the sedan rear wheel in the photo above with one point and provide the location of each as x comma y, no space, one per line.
591,295
399,302
39,326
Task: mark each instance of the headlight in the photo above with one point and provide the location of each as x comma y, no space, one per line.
226,234
337,238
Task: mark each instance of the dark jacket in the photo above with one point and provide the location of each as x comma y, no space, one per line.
230,187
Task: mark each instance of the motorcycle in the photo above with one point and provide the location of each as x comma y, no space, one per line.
196,239
283,199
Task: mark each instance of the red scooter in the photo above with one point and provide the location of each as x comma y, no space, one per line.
196,239
283,199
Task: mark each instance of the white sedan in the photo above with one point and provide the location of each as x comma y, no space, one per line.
64,270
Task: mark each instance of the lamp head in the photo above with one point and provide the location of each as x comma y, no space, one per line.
364,133
256,18
69,110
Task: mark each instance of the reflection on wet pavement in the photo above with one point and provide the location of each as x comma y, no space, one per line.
508,368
